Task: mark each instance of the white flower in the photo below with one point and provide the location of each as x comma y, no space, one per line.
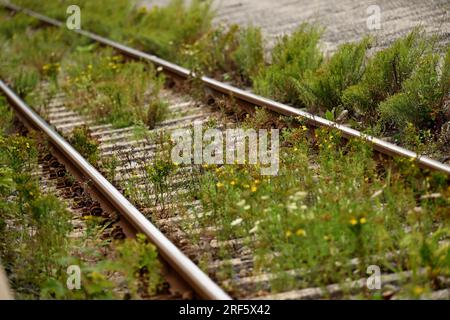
376,194
292,207
236,222
241,203
253,230
247,207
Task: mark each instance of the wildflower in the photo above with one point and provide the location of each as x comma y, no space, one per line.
362,220
236,222
233,182
301,194
254,188
247,207
241,203
246,186
326,238
264,197
300,233
377,193
288,234
219,184
254,229
418,290
292,207
353,221
304,128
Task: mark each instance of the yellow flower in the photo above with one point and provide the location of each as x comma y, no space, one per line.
246,186
362,220
353,221
219,184
233,182
326,238
418,290
254,189
304,128
300,233
288,234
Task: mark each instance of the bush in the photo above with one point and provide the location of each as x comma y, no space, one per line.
322,89
418,101
386,72
292,57
249,56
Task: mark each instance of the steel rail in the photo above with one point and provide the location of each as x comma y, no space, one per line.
248,97
195,277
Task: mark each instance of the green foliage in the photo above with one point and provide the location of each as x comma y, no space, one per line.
164,30
212,53
386,72
157,112
322,89
13,24
292,57
249,56
81,139
7,117
112,90
419,98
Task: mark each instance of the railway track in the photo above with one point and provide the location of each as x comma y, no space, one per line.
167,218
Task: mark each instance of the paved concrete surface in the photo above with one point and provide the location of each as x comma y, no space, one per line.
344,20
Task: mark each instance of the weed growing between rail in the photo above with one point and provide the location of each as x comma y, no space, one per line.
329,214
396,88
35,243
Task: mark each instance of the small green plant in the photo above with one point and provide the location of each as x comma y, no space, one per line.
249,56
386,72
321,89
157,111
81,139
292,57
6,119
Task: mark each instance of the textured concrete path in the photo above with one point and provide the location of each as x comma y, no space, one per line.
344,20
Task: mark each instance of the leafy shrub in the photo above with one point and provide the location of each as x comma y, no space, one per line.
322,89
418,101
386,72
7,116
249,56
292,57
81,139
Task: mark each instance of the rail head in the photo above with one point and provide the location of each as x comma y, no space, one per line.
248,97
196,278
